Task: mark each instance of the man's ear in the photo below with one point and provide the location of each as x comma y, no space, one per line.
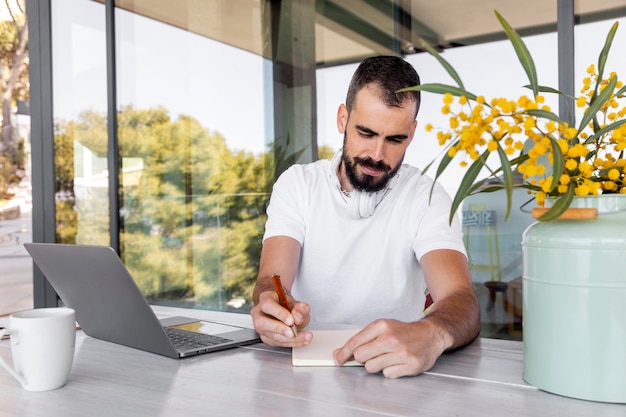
342,118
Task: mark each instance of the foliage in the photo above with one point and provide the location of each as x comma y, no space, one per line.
556,159
14,83
193,211
5,175
13,86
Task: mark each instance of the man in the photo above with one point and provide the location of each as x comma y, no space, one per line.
358,239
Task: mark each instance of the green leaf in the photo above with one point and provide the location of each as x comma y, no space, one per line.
544,115
443,152
480,187
546,89
513,162
620,91
507,176
558,163
605,50
560,205
522,53
467,182
597,103
445,161
596,135
444,63
516,161
441,89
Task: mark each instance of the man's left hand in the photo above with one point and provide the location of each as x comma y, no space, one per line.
395,348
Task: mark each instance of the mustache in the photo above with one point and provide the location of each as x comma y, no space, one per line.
370,163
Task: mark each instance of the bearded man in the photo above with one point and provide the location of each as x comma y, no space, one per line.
360,239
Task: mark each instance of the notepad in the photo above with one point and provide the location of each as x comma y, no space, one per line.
320,351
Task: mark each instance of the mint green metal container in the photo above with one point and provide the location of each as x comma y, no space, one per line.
574,303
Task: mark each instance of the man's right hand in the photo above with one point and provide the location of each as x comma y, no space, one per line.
273,322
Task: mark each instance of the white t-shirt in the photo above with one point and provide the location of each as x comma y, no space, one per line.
358,270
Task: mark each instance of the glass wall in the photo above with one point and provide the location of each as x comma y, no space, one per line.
195,171
80,122
215,99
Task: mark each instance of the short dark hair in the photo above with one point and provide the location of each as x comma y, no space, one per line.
390,73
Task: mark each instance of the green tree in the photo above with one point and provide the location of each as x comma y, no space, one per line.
66,219
193,210
14,83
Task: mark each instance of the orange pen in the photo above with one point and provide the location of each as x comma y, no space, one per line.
282,298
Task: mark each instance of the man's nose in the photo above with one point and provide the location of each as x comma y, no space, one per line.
377,150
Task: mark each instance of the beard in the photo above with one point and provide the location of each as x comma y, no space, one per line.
364,182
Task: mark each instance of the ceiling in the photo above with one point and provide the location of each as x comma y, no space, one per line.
347,30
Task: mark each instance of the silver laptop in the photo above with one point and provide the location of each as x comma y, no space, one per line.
109,306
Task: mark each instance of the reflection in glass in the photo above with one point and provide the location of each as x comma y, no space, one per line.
80,135
195,175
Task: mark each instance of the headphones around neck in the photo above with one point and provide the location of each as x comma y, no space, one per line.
361,204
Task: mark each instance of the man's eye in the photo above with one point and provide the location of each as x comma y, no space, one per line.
395,140
366,134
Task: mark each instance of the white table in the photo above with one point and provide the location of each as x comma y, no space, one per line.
483,379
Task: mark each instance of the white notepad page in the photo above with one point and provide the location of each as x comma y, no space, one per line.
320,351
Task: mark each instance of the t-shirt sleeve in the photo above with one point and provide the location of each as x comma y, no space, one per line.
434,228
287,208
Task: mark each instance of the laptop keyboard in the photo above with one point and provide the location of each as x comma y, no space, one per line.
184,340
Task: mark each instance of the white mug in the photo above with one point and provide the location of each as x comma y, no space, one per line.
42,347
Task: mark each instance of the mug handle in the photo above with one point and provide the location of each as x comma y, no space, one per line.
6,366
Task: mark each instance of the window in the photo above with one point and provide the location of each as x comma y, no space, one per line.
214,99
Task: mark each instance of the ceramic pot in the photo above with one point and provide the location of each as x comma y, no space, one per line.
574,303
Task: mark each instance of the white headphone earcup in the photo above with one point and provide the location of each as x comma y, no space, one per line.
353,205
361,204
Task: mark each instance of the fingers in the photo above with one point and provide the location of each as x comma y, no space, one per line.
276,339
363,346
301,314
273,322
389,347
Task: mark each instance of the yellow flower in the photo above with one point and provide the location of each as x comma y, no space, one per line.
582,190
613,174
540,197
529,123
570,132
541,169
429,127
546,184
609,186
592,157
531,170
571,164
585,169
442,137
